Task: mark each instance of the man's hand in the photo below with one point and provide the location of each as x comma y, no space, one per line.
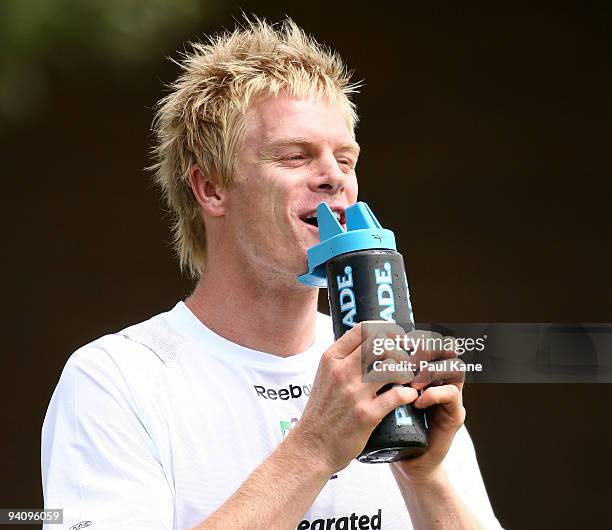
440,389
343,409
431,500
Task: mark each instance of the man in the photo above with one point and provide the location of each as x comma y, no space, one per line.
235,410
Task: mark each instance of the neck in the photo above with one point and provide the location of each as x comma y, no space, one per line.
258,314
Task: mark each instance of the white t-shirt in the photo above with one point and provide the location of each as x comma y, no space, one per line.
157,425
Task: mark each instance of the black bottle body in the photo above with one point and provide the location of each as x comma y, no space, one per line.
371,285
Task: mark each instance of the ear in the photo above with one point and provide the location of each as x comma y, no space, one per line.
209,196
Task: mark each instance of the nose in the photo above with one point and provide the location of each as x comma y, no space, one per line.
329,176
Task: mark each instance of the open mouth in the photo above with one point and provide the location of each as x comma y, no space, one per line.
313,221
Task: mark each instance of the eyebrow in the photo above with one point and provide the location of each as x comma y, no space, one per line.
304,142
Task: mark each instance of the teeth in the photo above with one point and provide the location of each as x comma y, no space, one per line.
336,215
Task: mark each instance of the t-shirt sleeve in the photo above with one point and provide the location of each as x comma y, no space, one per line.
99,462
464,474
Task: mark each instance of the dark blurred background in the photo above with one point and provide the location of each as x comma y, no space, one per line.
485,135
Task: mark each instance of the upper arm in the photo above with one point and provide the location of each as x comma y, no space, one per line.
99,462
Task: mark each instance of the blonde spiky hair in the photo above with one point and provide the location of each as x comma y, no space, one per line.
201,120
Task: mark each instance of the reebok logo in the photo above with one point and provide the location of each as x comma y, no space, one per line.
284,393
351,522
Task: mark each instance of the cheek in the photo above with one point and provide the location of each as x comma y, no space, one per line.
352,190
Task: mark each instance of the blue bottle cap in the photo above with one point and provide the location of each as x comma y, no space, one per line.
363,231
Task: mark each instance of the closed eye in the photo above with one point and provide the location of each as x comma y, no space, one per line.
346,162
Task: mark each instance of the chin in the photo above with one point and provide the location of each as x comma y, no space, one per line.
296,263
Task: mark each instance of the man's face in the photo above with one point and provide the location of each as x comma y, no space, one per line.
296,153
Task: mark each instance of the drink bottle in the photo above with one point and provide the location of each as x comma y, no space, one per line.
366,280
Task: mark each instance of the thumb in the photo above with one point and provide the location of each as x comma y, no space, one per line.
347,343
394,397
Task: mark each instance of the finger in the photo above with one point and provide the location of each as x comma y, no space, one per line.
386,371
448,396
424,355
380,327
381,343
393,398
382,362
347,344
439,373
381,338
397,356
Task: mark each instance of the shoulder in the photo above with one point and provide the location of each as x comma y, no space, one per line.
130,360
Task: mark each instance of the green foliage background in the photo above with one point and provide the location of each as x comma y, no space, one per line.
38,37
